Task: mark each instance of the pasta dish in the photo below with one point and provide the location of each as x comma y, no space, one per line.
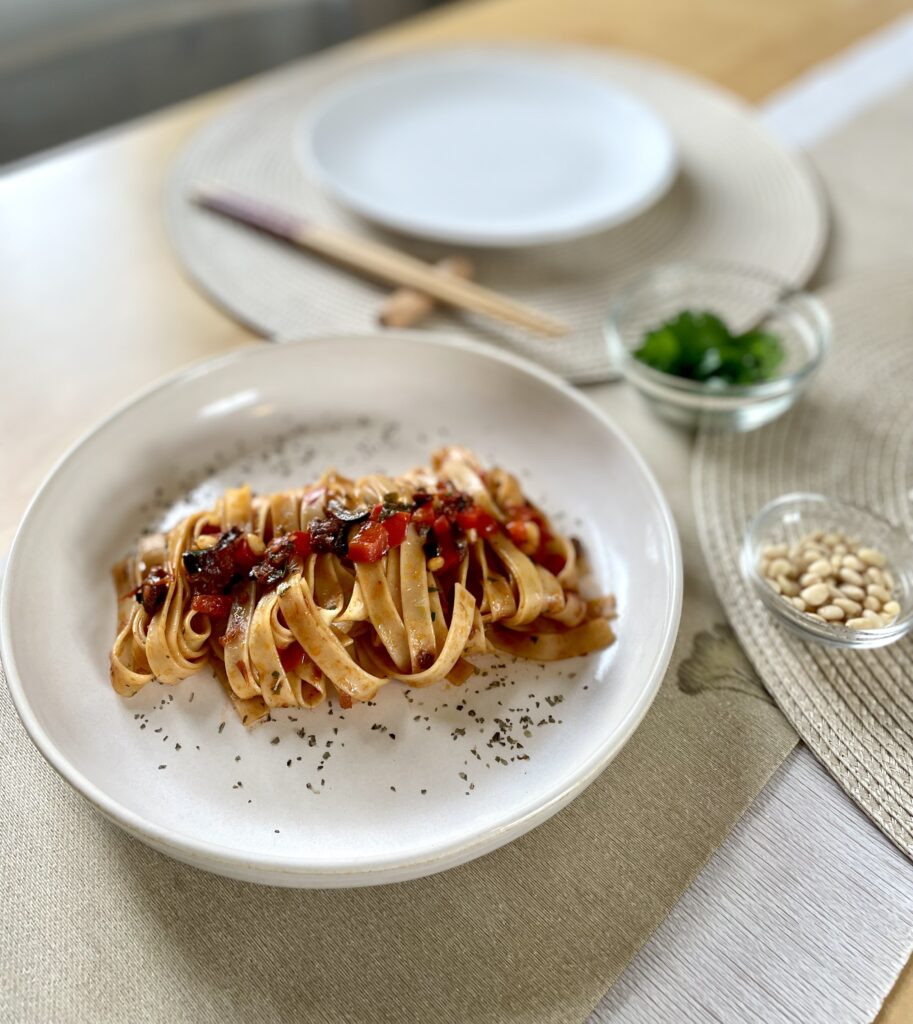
346,585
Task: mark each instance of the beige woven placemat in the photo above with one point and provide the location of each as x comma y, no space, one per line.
740,197
851,437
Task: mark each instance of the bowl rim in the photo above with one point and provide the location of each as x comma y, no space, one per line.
832,634
639,373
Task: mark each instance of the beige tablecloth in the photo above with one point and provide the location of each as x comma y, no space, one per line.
98,928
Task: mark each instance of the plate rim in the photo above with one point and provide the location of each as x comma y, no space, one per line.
432,59
270,867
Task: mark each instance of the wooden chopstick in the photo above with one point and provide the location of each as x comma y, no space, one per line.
375,259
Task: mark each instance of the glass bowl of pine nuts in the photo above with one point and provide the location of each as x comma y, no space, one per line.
831,572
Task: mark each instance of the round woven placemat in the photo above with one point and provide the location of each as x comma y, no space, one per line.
851,437
740,197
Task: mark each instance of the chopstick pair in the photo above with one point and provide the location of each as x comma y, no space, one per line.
376,260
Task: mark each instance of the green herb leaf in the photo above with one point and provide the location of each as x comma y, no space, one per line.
699,346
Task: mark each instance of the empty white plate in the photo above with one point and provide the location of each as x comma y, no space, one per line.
487,147
420,780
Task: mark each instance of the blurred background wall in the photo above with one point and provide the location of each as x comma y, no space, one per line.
70,67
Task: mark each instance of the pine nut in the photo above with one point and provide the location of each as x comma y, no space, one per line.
891,608
781,567
808,578
815,595
774,586
852,562
874,575
875,591
872,604
820,568
853,592
859,624
831,613
851,608
797,602
851,576
788,587
872,557
775,551
831,539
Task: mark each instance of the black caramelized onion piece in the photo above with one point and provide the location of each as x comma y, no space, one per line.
213,570
454,501
151,592
276,560
347,515
329,536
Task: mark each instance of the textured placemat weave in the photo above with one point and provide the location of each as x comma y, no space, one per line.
851,437
740,196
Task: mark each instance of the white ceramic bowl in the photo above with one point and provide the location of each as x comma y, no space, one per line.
380,809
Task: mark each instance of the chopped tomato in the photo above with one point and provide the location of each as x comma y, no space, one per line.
369,544
552,561
216,605
446,546
526,514
395,526
292,656
244,556
302,541
376,512
475,518
516,530
425,515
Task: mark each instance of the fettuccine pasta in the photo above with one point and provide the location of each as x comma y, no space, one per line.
344,586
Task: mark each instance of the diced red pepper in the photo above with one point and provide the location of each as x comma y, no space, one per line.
475,518
302,541
424,516
445,542
216,605
292,656
244,556
395,525
376,512
369,544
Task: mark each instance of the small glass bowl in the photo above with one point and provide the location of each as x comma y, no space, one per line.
744,299
794,516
